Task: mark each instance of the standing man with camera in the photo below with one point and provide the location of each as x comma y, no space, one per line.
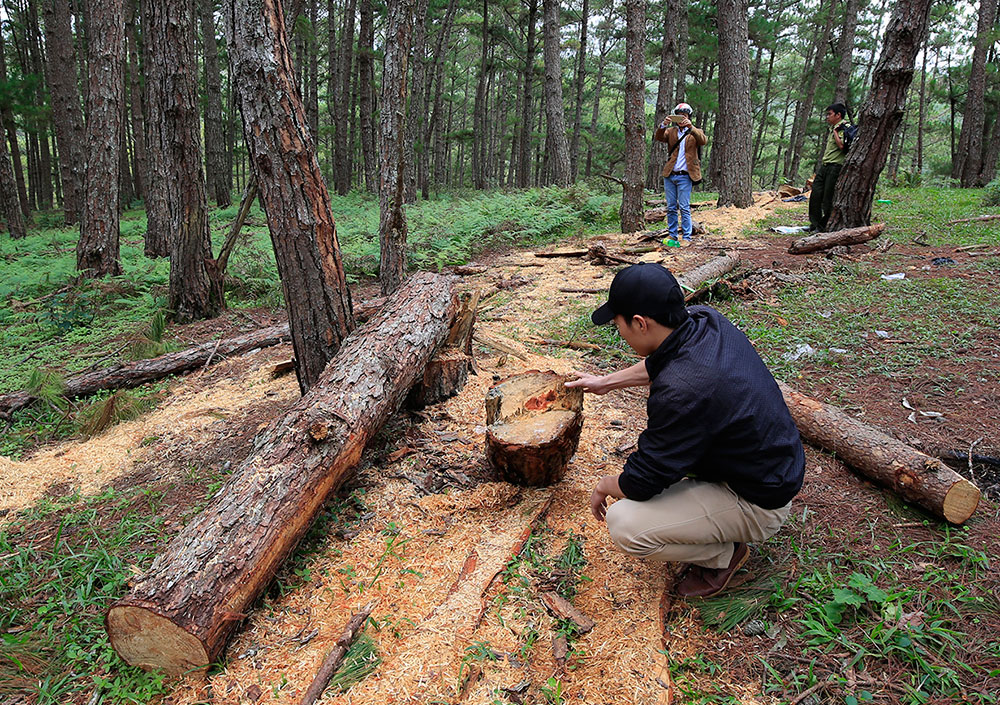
683,168
821,198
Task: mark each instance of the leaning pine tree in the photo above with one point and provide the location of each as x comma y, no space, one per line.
880,116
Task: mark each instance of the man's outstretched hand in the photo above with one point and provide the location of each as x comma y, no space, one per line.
591,383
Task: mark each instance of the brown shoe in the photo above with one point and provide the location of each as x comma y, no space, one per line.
707,582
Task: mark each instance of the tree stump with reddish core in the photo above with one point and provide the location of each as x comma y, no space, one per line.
533,427
180,613
916,477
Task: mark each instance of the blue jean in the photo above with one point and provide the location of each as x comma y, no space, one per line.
677,190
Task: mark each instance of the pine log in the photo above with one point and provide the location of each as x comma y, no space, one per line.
533,425
713,269
180,613
917,477
824,241
127,375
132,374
448,371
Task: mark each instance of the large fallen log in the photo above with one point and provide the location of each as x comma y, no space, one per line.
824,241
127,375
917,477
132,374
180,613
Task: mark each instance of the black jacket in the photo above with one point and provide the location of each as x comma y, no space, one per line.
715,413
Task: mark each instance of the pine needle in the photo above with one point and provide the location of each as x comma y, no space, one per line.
361,661
736,606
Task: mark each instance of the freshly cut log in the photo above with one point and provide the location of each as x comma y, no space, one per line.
713,269
915,476
132,374
533,425
824,241
179,615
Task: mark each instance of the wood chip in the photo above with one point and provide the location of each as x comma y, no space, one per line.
564,609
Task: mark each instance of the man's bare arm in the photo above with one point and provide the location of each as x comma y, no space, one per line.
634,376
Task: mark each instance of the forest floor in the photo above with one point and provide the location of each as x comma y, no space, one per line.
859,598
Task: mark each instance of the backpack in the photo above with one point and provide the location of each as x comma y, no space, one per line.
850,132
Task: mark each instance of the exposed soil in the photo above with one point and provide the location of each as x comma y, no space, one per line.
426,532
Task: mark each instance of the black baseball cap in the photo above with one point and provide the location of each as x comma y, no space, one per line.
644,289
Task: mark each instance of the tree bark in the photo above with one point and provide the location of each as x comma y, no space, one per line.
557,146
341,147
161,188
527,76
392,219
66,114
680,13
605,50
631,212
292,190
824,241
480,128
918,478
433,129
581,74
218,180
10,129
366,98
731,155
664,94
170,34
417,111
97,249
140,160
8,195
880,116
969,157
845,50
179,614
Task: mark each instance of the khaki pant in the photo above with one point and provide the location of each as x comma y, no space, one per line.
691,522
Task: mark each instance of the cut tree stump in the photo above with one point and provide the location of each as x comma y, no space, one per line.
180,613
915,476
824,241
448,371
533,425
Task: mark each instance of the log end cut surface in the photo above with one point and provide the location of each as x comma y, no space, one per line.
961,501
534,425
147,640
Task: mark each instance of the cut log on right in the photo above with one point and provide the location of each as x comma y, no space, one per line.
180,613
533,425
918,478
824,241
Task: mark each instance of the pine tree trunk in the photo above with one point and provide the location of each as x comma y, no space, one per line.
664,94
126,188
845,50
170,34
216,178
631,212
37,62
433,129
161,187
341,148
680,15
758,141
312,72
417,112
392,219
66,116
180,613
97,249
292,190
557,146
732,148
605,48
140,159
804,108
366,98
969,157
479,125
9,128
8,196
917,166
527,78
581,74
880,116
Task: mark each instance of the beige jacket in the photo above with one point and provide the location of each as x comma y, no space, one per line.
669,135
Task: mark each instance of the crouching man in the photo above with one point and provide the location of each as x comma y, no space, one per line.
720,459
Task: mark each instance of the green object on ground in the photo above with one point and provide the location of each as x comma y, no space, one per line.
669,242
882,200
